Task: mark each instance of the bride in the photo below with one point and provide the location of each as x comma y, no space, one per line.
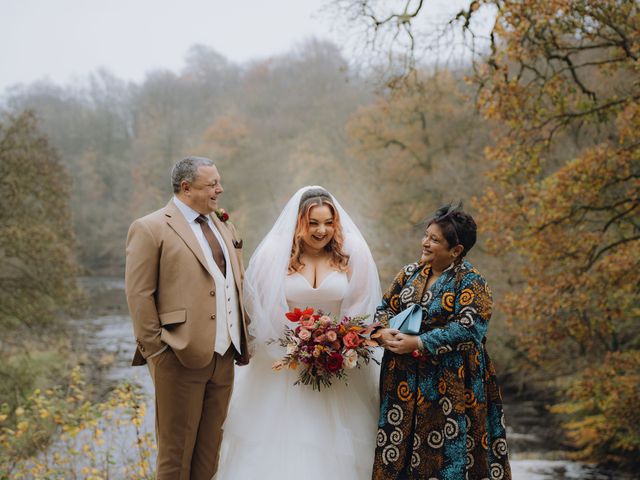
314,256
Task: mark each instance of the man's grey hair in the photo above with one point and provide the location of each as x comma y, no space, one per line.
187,169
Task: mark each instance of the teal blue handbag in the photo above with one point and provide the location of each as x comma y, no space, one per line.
408,321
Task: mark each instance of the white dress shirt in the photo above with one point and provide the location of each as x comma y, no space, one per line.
226,298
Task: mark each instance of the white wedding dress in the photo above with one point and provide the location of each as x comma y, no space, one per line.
275,430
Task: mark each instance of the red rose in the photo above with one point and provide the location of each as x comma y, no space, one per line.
222,214
334,363
351,340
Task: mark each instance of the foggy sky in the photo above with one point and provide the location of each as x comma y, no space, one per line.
64,39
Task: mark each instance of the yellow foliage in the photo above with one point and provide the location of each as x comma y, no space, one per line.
604,421
59,434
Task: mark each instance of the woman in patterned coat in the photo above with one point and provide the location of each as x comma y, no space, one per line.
441,411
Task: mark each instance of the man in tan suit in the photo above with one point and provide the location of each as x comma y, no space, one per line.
183,282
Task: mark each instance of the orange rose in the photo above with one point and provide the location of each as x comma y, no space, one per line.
351,340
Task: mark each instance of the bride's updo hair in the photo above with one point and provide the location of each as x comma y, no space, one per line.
316,197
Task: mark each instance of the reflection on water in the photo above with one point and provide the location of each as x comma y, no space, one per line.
113,334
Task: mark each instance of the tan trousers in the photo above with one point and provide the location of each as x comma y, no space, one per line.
191,406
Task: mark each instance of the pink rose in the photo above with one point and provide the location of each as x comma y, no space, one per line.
307,321
304,334
332,336
325,320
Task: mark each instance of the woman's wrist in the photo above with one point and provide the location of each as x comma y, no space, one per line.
419,350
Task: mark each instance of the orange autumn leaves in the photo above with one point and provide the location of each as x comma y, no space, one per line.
565,84
572,212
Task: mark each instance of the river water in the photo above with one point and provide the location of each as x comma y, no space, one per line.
107,332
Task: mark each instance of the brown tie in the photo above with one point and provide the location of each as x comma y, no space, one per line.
218,256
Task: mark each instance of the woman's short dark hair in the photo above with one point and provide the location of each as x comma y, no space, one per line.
458,227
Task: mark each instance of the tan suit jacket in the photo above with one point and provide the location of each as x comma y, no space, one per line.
170,289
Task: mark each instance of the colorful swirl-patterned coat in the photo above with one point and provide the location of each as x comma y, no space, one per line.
441,413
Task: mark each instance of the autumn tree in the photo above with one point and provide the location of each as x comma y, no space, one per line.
273,125
565,84
36,251
420,146
37,261
90,124
283,128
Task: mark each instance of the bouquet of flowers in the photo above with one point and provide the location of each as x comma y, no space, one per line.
324,348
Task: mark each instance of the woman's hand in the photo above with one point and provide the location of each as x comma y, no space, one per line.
402,343
384,335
